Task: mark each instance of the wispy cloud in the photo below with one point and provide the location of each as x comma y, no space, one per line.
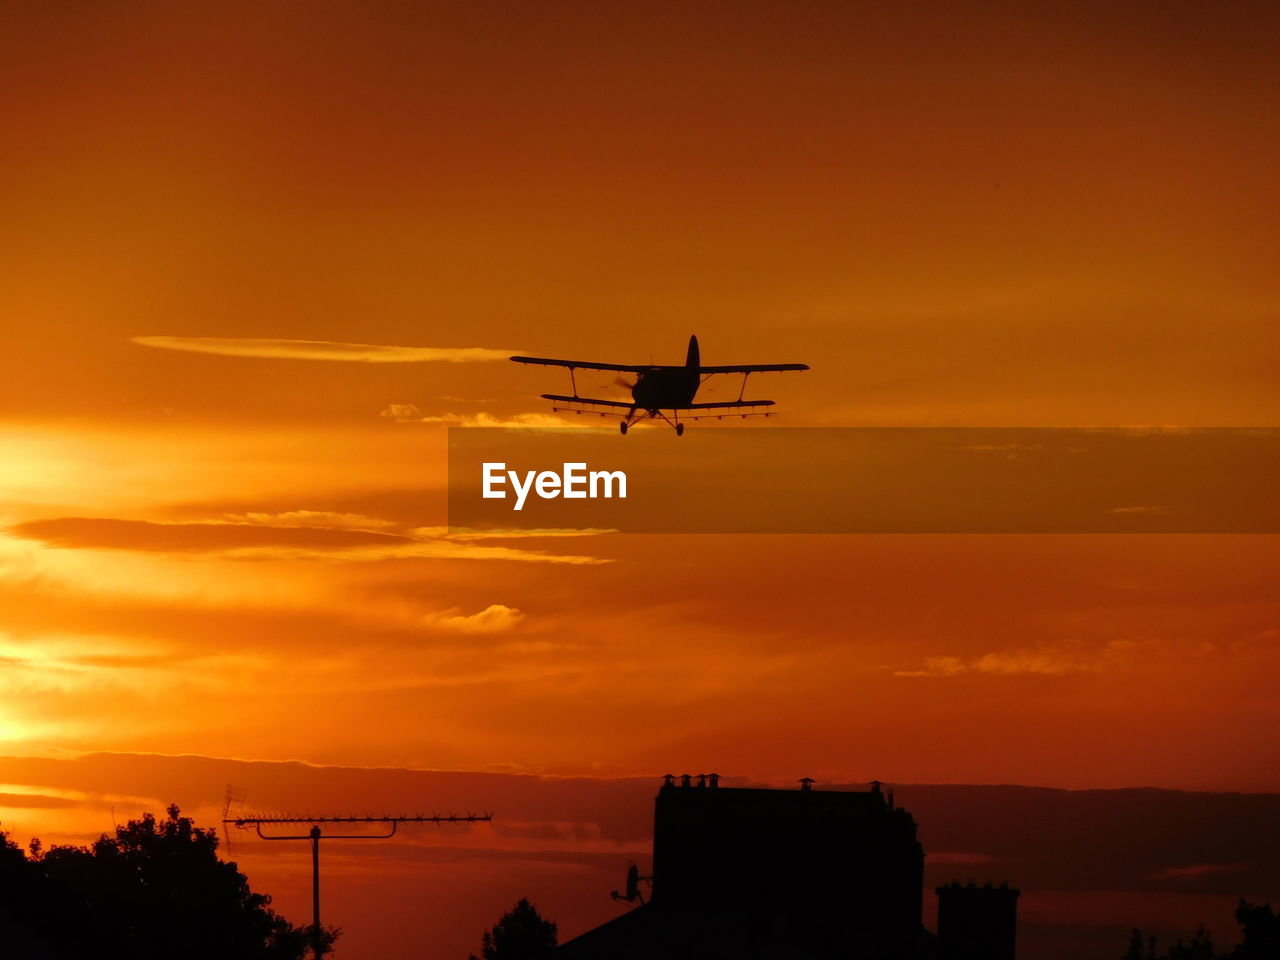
1046,661
324,519
409,413
465,534
259,541
1008,663
331,520
323,350
412,550
936,667
200,536
1196,870
1065,658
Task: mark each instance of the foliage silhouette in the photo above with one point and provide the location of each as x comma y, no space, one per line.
1259,931
1199,948
1139,948
154,891
521,934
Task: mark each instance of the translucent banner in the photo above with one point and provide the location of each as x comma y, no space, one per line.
866,480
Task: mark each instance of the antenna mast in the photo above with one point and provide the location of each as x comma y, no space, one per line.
389,823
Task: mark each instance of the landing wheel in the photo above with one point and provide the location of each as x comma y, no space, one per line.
623,427
679,429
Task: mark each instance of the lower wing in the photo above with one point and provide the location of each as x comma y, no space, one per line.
559,398
727,403
599,403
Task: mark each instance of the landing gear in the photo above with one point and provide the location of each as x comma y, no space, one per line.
631,418
672,421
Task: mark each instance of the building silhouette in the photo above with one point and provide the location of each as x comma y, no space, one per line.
757,874
976,922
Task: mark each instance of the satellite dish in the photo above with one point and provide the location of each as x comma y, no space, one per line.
633,886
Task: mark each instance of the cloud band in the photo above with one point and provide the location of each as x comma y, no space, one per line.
322,350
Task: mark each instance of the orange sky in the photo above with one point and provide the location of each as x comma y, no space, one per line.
994,217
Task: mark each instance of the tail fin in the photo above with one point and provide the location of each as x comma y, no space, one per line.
693,359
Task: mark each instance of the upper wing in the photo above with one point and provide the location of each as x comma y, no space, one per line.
756,368
587,365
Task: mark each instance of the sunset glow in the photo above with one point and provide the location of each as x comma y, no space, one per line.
258,260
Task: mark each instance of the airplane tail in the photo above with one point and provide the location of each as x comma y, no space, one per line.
693,359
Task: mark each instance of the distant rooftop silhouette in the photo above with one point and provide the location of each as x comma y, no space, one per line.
805,874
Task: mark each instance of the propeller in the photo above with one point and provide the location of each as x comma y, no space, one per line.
622,381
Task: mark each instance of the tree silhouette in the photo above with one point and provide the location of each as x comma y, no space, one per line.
521,934
153,891
1140,949
1199,948
1259,932
28,907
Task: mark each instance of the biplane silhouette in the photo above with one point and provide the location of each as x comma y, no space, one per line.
658,390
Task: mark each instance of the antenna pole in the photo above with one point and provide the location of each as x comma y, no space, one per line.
388,823
315,891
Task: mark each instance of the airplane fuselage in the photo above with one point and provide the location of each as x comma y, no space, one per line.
669,387
663,389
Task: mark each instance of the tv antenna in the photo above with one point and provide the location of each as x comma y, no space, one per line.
390,824
234,800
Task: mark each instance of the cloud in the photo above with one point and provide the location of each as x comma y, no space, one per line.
110,533
19,801
410,550
409,413
1071,657
323,519
1196,870
494,618
1043,662
258,541
466,534
323,350
936,667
